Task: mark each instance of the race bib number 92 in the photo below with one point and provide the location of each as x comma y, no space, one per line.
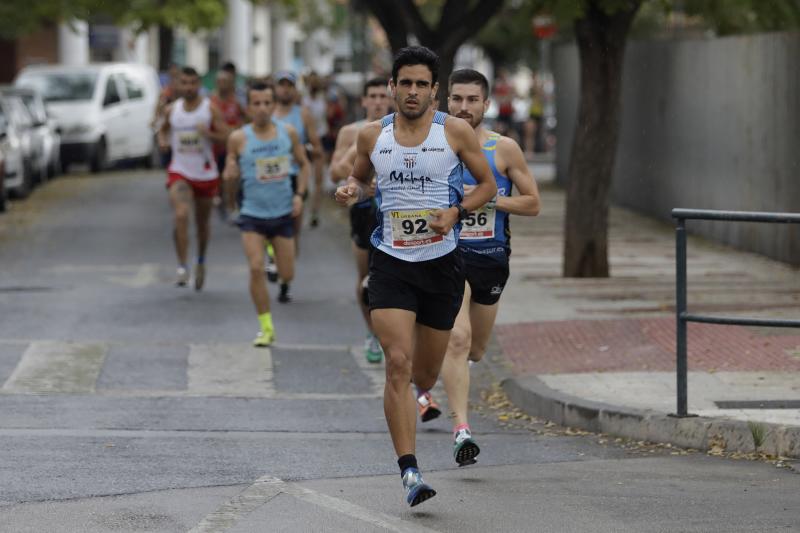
412,228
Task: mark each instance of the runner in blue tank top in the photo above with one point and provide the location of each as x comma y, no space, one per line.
259,159
485,247
416,276
290,112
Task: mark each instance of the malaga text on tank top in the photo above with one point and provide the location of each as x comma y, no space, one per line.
412,182
266,183
486,231
192,156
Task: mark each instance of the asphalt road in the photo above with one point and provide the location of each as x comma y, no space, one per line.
128,404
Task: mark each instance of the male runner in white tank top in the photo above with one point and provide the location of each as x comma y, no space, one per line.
416,274
192,173
375,100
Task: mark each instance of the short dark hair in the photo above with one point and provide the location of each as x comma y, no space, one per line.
375,82
228,66
190,71
416,55
468,75
260,86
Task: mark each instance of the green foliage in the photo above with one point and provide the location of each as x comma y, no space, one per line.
20,17
728,17
759,432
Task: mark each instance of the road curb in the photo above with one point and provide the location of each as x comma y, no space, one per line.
535,398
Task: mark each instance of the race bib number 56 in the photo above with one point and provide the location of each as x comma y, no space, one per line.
479,224
412,228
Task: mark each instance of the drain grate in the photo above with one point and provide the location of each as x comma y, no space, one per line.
759,404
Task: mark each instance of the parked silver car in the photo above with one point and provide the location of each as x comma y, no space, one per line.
19,147
45,130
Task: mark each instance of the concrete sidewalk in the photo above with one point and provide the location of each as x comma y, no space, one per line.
600,353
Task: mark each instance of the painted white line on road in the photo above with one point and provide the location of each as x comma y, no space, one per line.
267,488
376,518
244,503
229,370
376,372
145,276
57,367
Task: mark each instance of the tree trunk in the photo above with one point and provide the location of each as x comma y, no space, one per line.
166,39
601,43
446,60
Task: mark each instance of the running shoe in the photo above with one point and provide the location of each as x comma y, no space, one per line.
372,349
314,220
464,448
264,339
284,297
199,276
428,409
417,491
271,269
182,277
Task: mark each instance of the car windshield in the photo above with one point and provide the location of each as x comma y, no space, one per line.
61,86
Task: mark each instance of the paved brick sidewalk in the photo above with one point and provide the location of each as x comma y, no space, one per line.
613,340
644,344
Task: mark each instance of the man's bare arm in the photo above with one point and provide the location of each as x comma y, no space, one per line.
230,174
527,202
466,145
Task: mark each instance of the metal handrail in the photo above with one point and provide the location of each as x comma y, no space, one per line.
682,316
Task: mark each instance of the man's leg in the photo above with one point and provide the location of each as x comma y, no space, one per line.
395,329
253,244
202,218
180,197
361,257
284,258
455,370
482,317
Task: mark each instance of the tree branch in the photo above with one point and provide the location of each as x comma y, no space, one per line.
466,26
415,21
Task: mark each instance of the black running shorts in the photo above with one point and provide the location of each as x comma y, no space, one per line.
431,289
486,278
268,227
362,224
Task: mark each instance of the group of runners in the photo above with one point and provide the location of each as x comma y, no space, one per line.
429,195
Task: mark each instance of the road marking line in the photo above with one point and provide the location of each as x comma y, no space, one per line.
58,367
375,372
229,370
266,488
244,503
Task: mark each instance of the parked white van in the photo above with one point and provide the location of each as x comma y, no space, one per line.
103,110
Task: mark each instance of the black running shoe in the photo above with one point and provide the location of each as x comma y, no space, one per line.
284,297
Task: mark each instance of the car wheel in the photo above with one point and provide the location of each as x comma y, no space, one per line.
24,189
100,157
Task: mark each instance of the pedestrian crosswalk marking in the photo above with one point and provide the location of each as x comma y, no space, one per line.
230,370
227,370
58,367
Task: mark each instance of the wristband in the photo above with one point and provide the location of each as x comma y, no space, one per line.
462,213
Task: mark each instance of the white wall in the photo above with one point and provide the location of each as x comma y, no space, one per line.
73,43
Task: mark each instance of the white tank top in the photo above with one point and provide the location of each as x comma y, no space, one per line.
412,181
192,156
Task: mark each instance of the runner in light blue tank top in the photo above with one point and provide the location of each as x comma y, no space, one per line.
265,173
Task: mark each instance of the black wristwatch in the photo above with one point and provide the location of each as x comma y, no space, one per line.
462,213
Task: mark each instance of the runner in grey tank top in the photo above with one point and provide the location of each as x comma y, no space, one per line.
416,278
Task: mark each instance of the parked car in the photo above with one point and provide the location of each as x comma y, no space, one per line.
45,129
2,179
19,146
102,110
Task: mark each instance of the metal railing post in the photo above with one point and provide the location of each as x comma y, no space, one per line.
680,313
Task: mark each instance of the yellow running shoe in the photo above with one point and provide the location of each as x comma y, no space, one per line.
264,339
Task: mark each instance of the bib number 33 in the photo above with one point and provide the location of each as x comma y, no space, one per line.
412,228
